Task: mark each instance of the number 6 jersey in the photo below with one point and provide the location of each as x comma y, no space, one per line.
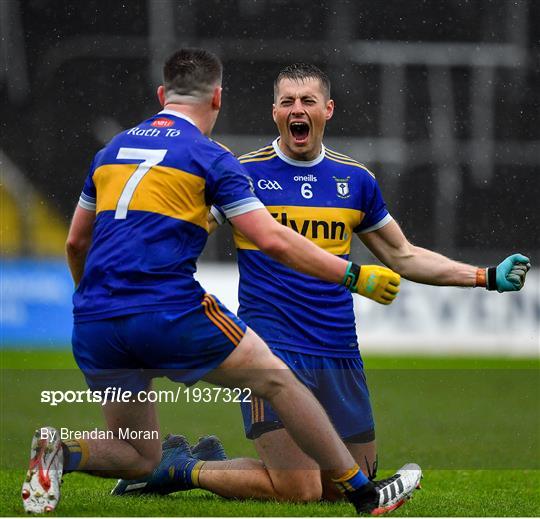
326,200
151,188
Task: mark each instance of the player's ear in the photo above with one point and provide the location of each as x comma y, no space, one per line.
161,95
216,98
329,109
274,112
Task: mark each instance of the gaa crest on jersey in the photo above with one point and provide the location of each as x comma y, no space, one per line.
342,186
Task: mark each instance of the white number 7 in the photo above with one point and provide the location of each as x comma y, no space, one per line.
150,158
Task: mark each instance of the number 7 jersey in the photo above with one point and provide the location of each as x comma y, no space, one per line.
151,188
326,200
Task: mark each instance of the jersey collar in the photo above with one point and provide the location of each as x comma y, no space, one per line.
178,114
299,163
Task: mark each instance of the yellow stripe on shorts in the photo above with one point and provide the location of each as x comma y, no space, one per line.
229,328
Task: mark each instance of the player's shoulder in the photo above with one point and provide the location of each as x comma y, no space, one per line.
260,155
107,154
222,146
211,149
346,162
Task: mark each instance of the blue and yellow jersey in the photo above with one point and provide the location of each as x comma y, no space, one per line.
326,200
151,188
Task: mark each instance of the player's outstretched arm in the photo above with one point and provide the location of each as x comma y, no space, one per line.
424,266
78,241
373,281
297,252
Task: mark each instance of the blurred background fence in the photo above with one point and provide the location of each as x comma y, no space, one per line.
440,99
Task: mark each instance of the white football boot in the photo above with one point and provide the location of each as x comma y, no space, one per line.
383,496
41,487
397,489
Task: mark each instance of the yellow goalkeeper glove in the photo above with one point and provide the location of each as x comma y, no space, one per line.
372,281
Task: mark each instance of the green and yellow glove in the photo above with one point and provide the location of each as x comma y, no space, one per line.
372,281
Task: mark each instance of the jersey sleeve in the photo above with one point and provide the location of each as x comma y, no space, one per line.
374,207
87,200
228,189
218,214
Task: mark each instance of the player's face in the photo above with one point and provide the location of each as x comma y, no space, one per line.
300,112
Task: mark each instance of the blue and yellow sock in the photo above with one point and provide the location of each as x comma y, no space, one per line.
184,475
352,480
359,490
75,455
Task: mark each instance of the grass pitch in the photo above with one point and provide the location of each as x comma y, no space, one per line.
472,424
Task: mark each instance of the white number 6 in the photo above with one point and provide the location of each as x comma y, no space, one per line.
305,190
149,159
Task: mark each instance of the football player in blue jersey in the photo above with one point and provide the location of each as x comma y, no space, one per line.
139,227
327,197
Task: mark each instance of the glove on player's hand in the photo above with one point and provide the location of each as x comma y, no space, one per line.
510,274
373,281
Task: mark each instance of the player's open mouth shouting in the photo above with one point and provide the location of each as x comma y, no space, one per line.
299,130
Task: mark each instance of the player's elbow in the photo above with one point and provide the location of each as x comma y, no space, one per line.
274,244
401,260
276,249
76,246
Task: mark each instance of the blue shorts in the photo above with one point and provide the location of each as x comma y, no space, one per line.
339,384
128,351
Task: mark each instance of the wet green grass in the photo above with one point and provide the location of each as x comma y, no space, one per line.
472,424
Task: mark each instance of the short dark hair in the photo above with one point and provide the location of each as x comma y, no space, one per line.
191,72
301,72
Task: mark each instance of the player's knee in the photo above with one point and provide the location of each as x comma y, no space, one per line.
273,382
269,375
246,355
299,490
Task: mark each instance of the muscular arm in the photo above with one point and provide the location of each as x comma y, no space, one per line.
78,241
288,247
391,246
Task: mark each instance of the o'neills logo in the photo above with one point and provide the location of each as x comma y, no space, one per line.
162,123
305,178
